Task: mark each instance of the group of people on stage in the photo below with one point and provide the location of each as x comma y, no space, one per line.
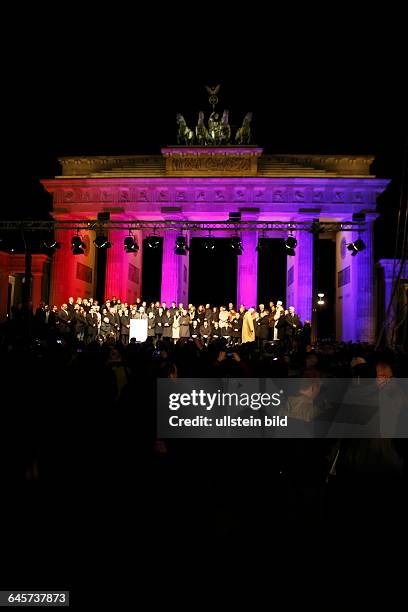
86,320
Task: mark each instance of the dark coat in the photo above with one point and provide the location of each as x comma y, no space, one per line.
151,325
205,331
262,328
64,322
236,328
124,322
159,321
195,331
91,324
280,325
184,326
293,324
168,326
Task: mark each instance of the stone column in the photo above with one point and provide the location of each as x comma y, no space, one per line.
363,287
299,280
117,266
305,297
247,273
63,269
36,289
174,285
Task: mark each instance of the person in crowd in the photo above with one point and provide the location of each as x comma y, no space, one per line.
106,327
223,317
200,316
262,328
208,313
271,323
293,327
151,324
124,327
65,319
194,329
184,323
215,331
279,323
205,332
168,324
80,324
159,322
248,329
91,325
141,314
236,329
70,306
175,332
192,312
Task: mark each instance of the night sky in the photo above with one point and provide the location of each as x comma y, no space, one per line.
112,84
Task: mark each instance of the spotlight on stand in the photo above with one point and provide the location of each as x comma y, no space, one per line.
356,246
181,247
236,245
102,242
77,245
290,245
130,245
152,242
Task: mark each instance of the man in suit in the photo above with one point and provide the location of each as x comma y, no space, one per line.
91,325
293,326
262,328
236,328
173,309
70,306
124,326
159,322
64,320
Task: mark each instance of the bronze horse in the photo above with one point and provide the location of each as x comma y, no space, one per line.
243,135
185,135
202,134
225,129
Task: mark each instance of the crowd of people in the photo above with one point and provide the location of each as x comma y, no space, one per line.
83,419
84,319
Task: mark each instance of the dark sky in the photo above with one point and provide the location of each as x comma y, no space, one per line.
112,84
